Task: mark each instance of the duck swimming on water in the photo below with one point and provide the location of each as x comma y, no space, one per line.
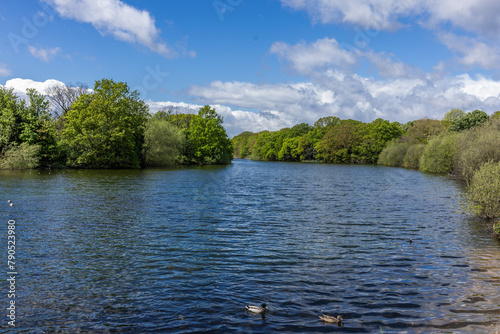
257,309
330,319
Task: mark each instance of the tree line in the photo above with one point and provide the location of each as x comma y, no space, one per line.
107,127
464,145
330,139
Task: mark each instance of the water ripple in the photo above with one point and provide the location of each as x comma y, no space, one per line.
183,250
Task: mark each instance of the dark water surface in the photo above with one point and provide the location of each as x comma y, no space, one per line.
183,250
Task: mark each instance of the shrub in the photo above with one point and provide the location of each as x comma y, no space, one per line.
163,143
476,147
438,154
412,156
393,154
483,193
23,156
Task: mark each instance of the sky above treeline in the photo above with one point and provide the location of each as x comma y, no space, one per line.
264,64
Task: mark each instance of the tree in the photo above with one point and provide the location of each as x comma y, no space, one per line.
207,139
339,142
105,129
298,130
27,132
421,130
163,143
378,134
10,117
452,116
37,127
242,144
290,150
469,120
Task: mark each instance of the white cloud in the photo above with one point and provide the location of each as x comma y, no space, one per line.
388,67
474,52
248,95
306,58
114,17
20,85
4,71
478,18
351,96
327,53
481,87
373,14
44,54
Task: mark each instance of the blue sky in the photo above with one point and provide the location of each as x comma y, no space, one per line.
264,64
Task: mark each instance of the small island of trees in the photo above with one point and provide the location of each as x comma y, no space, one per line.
107,127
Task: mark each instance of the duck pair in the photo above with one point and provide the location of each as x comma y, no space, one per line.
263,308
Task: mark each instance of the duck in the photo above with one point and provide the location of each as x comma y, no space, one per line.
330,319
257,309
9,201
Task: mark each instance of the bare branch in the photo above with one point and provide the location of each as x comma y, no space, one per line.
63,96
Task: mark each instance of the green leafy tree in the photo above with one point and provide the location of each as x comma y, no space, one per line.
268,145
452,116
298,130
469,120
421,130
27,131
105,129
208,141
338,144
243,144
38,128
378,134
10,117
290,150
163,143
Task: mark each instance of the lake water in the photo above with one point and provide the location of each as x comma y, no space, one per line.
183,250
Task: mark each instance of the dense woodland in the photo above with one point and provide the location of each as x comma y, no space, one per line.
464,145
329,140
107,127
